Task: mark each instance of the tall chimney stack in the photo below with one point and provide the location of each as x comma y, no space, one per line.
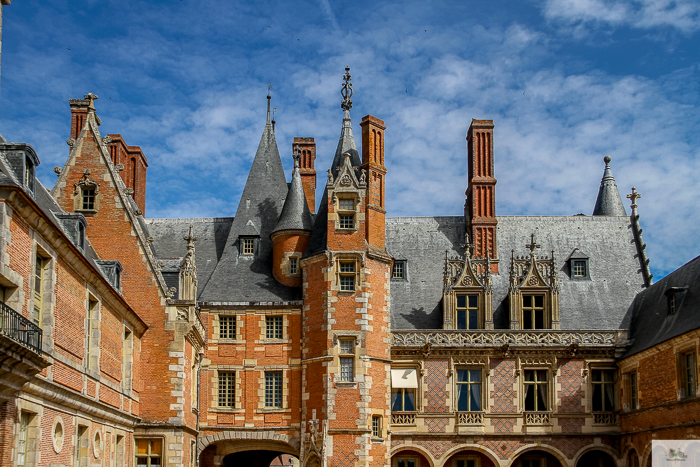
307,149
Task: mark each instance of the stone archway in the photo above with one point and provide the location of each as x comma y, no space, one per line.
258,449
537,458
596,458
313,461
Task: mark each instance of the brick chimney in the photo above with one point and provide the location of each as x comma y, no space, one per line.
373,163
78,116
307,149
481,200
135,165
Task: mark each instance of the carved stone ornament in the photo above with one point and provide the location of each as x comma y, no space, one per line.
346,180
467,281
107,139
57,170
129,191
183,314
533,281
330,175
119,167
363,177
85,182
171,291
499,338
70,142
138,212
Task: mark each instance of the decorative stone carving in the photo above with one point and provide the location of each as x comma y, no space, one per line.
138,212
119,167
57,170
70,142
188,269
129,191
497,338
183,314
346,180
363,177
85,182
330,176
107,139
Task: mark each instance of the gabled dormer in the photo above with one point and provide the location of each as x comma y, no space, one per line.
347,194
22,161
534,290
467,291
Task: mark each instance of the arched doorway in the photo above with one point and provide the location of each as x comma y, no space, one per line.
632,458
409,458
249,453
596,458
536,458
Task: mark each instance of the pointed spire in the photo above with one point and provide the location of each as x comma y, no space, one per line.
346,144
269,98
609,202
295,212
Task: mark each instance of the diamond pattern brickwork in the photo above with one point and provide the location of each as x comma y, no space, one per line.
571,425
503,425
503,448
503,394
570,445
436,425
436,386
572,382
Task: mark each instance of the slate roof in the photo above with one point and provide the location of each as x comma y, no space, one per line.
169,234
598,303
295,213
238,278
650,320
609,202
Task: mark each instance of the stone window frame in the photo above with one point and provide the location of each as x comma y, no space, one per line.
231,390
239,327
58,439
127,358
418,394
343,211
243,240
377,426
344,258
616,386
338,337
97,444
82,443
546,314
551,386
282,399
230,326
629,402
681,371
345,357
92,332
214,391
286,263
48,305
271,328
32,437
85,183
483,383
574,266
150,439
262,326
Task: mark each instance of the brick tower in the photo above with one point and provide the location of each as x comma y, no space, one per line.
306,147
480,206
345,349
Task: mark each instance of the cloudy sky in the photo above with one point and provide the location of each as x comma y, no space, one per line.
566,82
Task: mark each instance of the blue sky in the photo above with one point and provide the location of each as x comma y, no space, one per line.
566,82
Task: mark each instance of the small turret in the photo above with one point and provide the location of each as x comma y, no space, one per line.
290,236
609,202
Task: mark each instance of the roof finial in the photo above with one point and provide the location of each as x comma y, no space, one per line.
533,245
633,197
347,91
91,98
296,156
190,238
269,97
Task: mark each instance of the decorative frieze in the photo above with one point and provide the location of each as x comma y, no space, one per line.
497,338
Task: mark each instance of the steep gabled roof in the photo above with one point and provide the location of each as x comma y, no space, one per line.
239,278
609,202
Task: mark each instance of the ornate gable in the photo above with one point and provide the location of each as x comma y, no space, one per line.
467,291
534,290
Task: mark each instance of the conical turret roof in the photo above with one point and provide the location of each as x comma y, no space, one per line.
609,202
295,213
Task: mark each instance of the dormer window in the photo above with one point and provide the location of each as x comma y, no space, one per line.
399,270
29,175
87,195
293,266
674,296
533,312
247,245
81,236
578,265
346,213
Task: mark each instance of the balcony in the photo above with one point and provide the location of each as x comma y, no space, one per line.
604,418
20,352
19,329
470,418
538,418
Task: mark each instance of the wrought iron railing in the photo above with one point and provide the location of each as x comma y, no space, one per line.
18,328
470,418
403,419
537,418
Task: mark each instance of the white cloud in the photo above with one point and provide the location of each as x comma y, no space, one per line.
683,15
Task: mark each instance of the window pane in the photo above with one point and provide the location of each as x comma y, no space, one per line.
156,446
473,319
347,204
346,369
539,301
396,400
527,319
473,301
347,346
597,398
530,397
461,319
463,397
409,400
527,301
475,398
142,446
462,375
460,463
475,375
462,301
410,463
539,319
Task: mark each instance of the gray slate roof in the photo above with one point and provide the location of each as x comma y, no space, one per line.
609,202
238,278
169,234
295,213
598,303
650,321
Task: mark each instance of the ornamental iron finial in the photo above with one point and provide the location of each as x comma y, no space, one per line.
467,246
347,91
532,246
